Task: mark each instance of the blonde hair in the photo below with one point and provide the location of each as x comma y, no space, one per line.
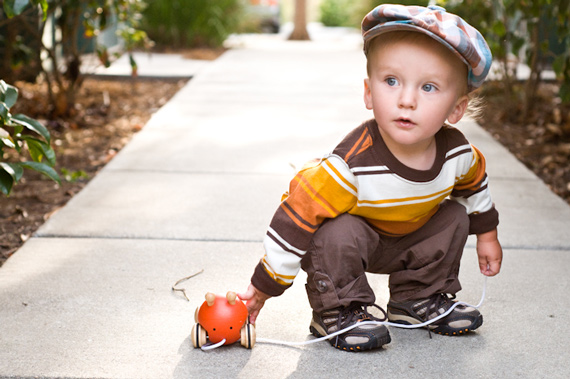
475,105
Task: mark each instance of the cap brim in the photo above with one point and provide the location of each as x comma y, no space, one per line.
393,26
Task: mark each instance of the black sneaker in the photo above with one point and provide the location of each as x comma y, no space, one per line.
461,320
365,337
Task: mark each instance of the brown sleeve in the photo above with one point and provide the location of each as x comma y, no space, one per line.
265,283
483,222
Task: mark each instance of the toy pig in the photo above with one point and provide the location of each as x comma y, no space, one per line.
220,318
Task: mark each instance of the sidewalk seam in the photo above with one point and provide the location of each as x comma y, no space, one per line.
527,247
140,238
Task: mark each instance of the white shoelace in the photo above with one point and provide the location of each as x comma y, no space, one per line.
386,323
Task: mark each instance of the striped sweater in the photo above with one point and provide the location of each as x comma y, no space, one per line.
363,178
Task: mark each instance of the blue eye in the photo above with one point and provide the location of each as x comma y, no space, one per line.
391,82
428,87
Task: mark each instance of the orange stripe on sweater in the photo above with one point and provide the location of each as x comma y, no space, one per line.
353,149
472,179
296,220
314,195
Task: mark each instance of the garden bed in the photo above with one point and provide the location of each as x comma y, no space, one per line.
107,114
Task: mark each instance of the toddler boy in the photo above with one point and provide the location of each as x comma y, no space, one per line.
399,195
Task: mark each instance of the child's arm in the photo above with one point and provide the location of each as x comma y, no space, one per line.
489,252
255,299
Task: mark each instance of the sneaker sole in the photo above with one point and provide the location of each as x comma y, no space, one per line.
318,331
439,329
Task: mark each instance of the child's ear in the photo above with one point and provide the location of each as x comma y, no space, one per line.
458,110
367,94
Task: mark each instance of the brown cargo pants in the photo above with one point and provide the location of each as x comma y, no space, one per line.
420,264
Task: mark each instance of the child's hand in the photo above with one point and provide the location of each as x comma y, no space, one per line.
255,299
490,253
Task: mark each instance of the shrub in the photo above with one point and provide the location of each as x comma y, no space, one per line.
20,133
335,12
191,23
77,23
350,13
528,31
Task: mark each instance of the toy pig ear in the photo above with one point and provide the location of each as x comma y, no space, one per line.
231,296
210,297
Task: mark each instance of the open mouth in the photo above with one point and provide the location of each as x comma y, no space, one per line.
406,122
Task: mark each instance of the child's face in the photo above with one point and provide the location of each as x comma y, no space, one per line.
414,86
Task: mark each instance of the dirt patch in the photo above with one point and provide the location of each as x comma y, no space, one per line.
110,112
540,139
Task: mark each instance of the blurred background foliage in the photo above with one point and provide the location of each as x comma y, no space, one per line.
534,33
191,23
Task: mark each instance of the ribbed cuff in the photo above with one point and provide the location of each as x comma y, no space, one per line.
265,283
483,222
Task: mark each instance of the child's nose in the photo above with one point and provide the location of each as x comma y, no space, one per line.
407,98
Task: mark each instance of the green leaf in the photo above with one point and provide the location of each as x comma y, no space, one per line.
564,92
132,62
558,64
3,89
10,95
44,5
15,7
9,10
6,138
8,142
103,55
73,176
35,149
39,149
4,113
6,182
32,124
499,28
42,168
13,169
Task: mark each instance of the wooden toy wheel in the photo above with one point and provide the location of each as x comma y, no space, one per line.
196,314
199,337
248,336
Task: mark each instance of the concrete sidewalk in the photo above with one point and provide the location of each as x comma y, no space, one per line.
89,296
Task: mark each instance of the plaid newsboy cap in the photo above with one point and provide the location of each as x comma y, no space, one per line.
448,29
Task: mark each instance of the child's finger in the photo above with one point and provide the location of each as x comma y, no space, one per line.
494,268
483,265
248,294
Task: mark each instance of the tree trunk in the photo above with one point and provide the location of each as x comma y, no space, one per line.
300,29
533,80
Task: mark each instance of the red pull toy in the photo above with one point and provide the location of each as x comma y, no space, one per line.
219,319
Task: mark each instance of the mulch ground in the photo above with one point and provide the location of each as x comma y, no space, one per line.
107,115
539,137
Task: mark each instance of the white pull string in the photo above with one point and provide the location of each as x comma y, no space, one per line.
211,346
386,323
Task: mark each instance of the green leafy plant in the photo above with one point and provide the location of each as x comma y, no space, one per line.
191,23
20,132
335,12
78,23
523,31
73,176
350,13
15,7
